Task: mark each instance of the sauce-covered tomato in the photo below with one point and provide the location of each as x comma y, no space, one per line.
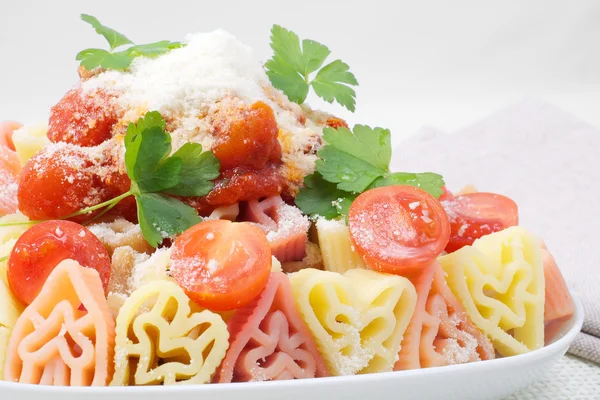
398,229
222,265
41,248
246,137
59,181
82,119
239,184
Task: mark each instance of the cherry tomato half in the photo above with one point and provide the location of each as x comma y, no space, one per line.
41,248
398,229
222,265
474,215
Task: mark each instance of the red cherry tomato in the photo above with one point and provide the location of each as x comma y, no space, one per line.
446,195
398,229
222,265
474,215
57,182
41,248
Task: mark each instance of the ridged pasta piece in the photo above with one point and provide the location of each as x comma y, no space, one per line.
121,233
270,341
163,338
357,319
15,231
500,282
334,240
30,139
285,226
226,212
559,305
10,169
440,331
10,310
65,337
4,338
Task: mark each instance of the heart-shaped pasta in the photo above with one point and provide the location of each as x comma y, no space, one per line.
270,341
500,282
440,332
10,310
358,318
65,337
161,339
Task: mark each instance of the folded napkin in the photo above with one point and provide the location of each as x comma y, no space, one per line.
548,162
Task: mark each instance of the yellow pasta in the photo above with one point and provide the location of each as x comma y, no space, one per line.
15,231
4,337
10,310
500,281
162,339
338,253
30,139
358,319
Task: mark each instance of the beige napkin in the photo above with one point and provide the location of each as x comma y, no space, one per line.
548,161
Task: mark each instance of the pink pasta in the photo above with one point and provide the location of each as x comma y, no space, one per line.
285,226
559,306
10,168
440,332
270,341
66,336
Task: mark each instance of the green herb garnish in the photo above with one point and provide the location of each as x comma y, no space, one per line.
292,64
119,60
352,162
156,176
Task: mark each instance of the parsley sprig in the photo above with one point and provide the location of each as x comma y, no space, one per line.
119,60
350,163
293,63
156,176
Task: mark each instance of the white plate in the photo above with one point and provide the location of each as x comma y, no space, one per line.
487,380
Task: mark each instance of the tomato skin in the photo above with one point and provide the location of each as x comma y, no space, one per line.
222,265
398,229
82,119
53,186
239,184
474,215
246,137
41,248
446,195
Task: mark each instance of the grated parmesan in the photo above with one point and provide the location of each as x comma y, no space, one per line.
188,85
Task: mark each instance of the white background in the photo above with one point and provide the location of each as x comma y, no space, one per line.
440,63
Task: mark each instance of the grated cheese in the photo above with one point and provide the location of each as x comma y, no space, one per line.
188,85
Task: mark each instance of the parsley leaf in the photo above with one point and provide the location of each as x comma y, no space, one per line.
319,197
331,83
354,160
153,49
350,163
152,169
114,38
293,62
162,216
428,181
92,58
147,161
121,60
198,169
